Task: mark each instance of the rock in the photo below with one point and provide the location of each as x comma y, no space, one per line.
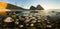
39,7
32,8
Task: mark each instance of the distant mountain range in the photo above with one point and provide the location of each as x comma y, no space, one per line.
11,6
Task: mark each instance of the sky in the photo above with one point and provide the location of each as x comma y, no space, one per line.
46,4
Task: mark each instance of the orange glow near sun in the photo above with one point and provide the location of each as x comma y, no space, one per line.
3,5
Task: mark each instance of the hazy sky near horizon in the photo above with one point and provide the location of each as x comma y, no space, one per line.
46,4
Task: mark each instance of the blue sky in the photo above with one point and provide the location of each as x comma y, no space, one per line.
46,4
